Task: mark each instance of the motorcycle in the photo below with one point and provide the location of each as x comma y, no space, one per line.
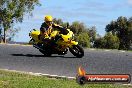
59,43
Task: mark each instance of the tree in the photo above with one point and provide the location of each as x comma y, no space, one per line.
92,34
60,22
11,33
12,11
99,43
1,40
122,27
77,27
81,33
111,41
83,39
0,31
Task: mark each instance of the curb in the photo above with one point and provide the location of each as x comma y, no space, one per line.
107,50
127,84
49,76
15,44
41,74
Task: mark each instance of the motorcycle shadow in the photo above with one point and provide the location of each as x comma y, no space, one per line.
32,55
27,55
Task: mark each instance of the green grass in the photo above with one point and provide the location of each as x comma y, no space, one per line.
19,80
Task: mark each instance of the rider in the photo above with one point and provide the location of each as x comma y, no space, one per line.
47,27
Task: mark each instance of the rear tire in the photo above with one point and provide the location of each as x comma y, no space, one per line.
77,51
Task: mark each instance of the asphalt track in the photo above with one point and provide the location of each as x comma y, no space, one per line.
29,59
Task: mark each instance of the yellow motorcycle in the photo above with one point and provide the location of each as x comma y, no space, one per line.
59,43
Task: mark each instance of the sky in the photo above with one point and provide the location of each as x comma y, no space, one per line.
97,13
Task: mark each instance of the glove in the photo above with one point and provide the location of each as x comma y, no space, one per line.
64,31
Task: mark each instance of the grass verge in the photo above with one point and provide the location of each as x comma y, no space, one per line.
10,79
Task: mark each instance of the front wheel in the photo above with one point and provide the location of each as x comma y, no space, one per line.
77,51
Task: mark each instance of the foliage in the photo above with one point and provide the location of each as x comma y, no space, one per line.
11,33
109,41
12,11
92,34
1,40
122,27
60,22
0,32
77,27
81,32
83,39
99,43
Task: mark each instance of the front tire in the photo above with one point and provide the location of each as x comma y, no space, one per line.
77,51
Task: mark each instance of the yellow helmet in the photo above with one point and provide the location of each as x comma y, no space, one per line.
48,18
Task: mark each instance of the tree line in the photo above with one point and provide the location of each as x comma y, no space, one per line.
118,34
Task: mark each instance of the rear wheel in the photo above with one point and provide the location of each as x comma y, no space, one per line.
77,51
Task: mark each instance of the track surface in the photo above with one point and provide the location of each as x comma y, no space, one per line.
29,59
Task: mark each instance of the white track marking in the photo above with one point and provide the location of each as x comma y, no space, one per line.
39,74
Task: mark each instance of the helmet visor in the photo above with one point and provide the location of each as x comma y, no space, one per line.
49,22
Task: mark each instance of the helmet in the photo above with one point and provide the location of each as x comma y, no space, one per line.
48,18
